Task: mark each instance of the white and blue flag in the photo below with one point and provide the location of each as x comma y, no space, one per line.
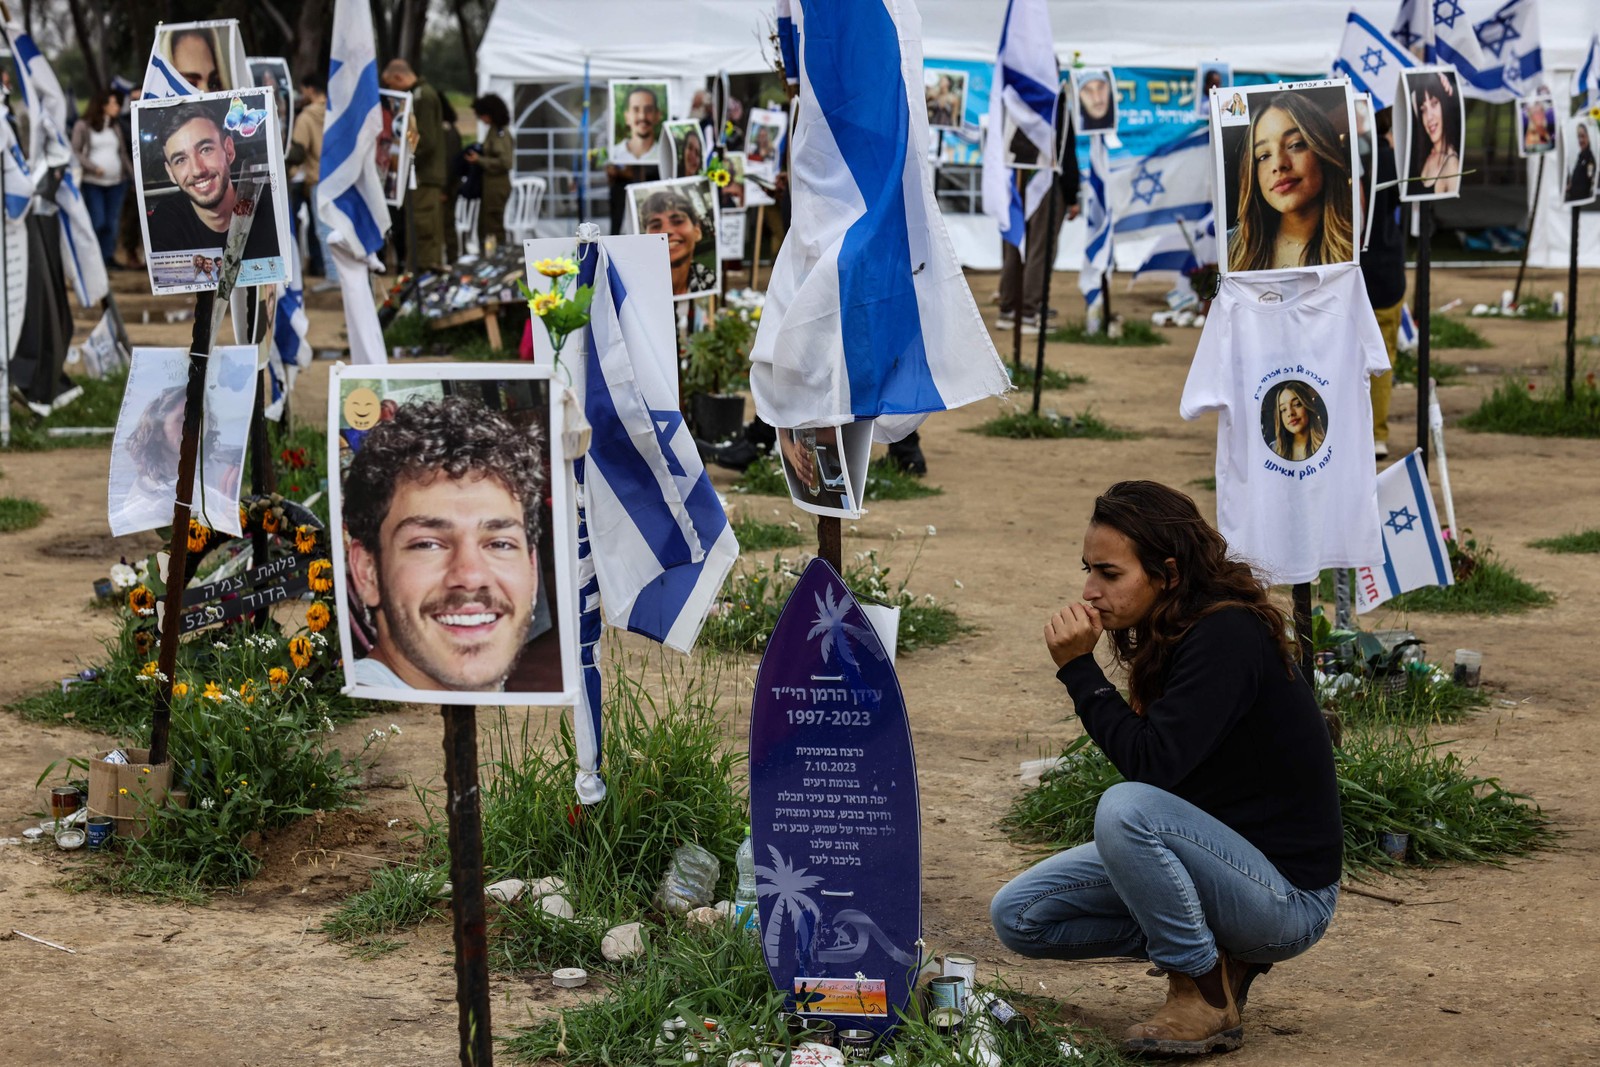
1022,99
1495,47
162,81
1414,550
1586,79
18,175
1407,341
1165,191
788,44
868,314
1182,247
1097,218
654,542
18,199
350,197
49,148
1372,61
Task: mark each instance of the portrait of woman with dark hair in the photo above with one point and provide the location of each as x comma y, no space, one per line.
1294,189
1435,167
1294,420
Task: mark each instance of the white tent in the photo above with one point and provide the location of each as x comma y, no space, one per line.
549,41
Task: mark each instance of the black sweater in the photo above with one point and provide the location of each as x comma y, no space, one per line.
1234,735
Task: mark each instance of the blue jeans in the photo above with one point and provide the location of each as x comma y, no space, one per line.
1162,881
105,212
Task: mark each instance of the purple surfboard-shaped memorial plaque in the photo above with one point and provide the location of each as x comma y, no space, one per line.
833,811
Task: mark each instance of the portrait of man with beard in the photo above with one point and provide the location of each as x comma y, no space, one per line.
442,507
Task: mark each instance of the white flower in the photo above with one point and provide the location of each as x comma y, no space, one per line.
793,525
206,803
931,531
958,584
327,724
220,644
305,682
123,576
854,528
393,729
319,640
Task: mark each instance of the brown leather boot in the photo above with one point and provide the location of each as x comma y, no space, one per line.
1187,1023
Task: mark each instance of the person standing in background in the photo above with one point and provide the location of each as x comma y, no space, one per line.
495,161
1383,268
305,154
453,166
1022,276
427,158
107,168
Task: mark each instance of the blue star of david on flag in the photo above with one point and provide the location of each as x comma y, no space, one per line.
666,424
1497,32
1372,61
1401,521
1445,13
1147,186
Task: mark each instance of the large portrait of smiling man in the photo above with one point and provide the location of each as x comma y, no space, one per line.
454,546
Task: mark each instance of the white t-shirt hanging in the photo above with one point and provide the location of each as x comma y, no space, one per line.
1285,360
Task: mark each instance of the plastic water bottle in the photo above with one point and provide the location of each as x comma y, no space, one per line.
690,881
744,893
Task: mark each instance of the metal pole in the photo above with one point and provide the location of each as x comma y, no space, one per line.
466,884
1051,225
1302,627
1424,321
1533,211
1572,304
583,150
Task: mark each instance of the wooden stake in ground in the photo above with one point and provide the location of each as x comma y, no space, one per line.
466,883
830,539
1533,211
1044,298
1424,319
755,259
1572,304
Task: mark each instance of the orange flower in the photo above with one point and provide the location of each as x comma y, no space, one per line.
179,689
277,677
271,519
198,536
300,651
320,576
150,669
317,617
141,601
305,540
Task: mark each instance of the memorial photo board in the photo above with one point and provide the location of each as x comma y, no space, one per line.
834,812
1580,141
195,161
1537,123
763,141
141,487
687,212
196,57
638,111
457,580
272,72
826,467
1284,180
687,146
1094,99
1209,77
945,90
1366,140
394,147
1430,119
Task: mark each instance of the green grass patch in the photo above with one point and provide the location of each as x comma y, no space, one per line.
1445,332
1391,779
1026,426
399,898
99,405
1135,334
1405,369
1427,697
757,536
1487,587
1584,541
1537,309
1520,408
1051,379
886,481
1208,483
19,513
764,477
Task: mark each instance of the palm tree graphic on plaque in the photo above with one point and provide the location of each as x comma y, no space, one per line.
788,884
835,632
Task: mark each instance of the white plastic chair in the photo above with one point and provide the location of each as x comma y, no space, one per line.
467,225
522,210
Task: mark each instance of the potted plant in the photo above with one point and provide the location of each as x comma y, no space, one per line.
716,367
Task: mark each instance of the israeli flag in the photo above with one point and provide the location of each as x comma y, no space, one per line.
350,192
1586,80
1413,27
1023,98
49,148
868,315
1172,184
161,81
1183,247
18,175
1414,551
1097,218
788,43
1499,58
1407,341
1372,61
654,543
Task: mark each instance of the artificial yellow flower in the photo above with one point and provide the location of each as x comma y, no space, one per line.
271,519
122,792
277,677
720,178
198,536
320,576
300,651
150,669
179,689
545,303
141,601
317,617
305,540
213,691
556,267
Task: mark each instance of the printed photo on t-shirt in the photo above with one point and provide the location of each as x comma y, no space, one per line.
1294,420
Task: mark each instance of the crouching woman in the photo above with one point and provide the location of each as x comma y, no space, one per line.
1220,854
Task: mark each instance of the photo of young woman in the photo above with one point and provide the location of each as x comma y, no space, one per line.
1434,112
1294,420
1285,179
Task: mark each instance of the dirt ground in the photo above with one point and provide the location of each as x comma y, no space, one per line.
1481,965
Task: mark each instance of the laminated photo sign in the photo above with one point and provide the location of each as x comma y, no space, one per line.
1430,118
638,111
394,147
1286,169
453,553
196,57
688,213
826,467
834,812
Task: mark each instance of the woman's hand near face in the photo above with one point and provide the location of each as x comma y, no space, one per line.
1072,632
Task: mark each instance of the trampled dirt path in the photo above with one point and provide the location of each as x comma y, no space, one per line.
1493,966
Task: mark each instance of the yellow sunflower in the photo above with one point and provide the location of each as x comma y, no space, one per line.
300,651
198,536
317,617
141,601
556,267
720,178
320,576
545,303
305,540
277,677
271,519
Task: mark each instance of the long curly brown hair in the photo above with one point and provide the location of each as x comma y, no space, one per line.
1164,524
